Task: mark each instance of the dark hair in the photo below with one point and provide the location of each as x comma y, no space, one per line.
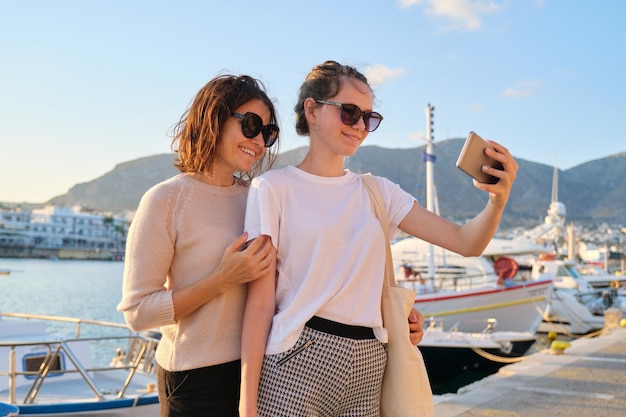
323,82
197,135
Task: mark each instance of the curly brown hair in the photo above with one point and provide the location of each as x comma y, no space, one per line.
196,137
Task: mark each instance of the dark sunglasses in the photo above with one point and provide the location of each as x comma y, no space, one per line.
252,125
350,115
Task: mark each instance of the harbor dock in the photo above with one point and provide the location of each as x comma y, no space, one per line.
587,379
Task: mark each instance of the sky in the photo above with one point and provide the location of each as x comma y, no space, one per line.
86,85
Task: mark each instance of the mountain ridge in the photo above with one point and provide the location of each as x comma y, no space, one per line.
592,192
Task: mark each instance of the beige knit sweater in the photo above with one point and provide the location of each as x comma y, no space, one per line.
178,236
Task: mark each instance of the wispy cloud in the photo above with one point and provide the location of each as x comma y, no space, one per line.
523,89
464,14
418,137
378,74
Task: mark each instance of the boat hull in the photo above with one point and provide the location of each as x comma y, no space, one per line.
124,407
456,356
517,308
566,314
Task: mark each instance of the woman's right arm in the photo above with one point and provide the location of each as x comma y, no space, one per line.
257,321
146,303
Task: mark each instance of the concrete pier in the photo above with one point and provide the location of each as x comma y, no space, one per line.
588,379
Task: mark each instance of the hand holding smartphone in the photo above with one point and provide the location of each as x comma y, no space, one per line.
473,157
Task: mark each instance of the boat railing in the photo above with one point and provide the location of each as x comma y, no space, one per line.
79,322
463,281
442,281
441,323
139,356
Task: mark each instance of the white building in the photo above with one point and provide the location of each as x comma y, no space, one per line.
60,231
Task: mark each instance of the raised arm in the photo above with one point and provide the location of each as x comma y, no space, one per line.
471,238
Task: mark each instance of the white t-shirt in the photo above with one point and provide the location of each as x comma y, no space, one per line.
330,247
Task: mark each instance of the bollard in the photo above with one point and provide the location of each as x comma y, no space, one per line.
612,317
558,347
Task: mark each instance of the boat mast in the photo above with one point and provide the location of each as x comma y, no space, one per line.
429,158
555,185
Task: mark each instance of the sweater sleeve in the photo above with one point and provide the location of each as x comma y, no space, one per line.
146,301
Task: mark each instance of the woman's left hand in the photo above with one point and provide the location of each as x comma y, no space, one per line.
416,327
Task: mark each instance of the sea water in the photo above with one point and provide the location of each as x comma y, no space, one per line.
86,290
83,289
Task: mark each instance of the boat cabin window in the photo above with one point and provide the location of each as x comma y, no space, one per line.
562,272
32,363
566,271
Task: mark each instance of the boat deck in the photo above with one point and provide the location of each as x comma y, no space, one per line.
588,379
77,390
107,375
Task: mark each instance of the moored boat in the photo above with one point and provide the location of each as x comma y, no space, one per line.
449,353
44,374
598,278
575,306
465,292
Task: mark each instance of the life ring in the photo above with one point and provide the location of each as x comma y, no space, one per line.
505,268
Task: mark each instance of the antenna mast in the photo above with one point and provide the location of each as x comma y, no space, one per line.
429,158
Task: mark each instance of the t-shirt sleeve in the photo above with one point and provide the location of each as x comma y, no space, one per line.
263,211
398,203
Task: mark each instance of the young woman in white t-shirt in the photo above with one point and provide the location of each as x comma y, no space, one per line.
313,341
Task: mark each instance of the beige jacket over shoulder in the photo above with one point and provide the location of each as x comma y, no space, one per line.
177,237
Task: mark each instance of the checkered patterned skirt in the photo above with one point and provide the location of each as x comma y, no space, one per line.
323,375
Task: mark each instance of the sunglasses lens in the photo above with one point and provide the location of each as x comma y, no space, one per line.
350,114
270,134
251,125
372,121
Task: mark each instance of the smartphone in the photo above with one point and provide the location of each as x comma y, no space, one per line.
473,157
